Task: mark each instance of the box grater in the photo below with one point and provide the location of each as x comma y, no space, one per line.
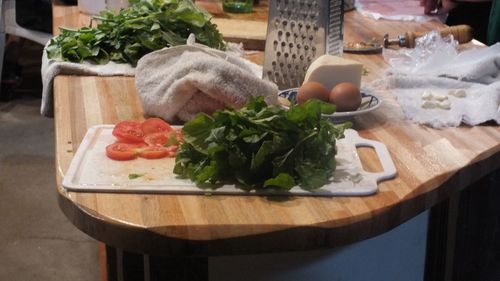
298,32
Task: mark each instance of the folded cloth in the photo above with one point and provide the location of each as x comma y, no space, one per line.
179,82
476,72
52,68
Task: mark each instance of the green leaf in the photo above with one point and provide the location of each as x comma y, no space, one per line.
327,108
102,57
252,135
155,26
260,146
134,176
185,12
205,173
129,34
282,180
236,158
216,134
196,131
264,153
84,52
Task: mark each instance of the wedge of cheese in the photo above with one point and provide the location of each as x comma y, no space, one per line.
331,70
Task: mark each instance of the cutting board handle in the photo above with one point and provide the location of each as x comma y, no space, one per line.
389,170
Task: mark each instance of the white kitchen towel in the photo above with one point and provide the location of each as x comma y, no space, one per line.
52,68
475,71
480,103
402,10
179,82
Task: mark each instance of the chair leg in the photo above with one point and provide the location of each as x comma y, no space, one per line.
11,70
2,51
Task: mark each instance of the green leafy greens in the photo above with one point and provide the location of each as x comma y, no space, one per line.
261,146
127,35
134,176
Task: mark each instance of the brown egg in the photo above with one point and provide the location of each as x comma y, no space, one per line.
346,96
312,90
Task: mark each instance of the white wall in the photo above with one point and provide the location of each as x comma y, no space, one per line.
396,255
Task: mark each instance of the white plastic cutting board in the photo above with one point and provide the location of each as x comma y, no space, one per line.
92,171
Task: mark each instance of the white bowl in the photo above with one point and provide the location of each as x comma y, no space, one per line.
369,103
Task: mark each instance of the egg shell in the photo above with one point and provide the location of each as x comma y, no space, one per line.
346,96
312,90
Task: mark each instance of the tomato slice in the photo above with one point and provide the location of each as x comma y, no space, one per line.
162,138
128,131
172,149
179,135
152,139
157,139
122,151
155,125
154,152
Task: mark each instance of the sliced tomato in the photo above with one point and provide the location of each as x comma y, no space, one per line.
122,151
162,139
173,149
155,125
179,135
152,139
128,131
154,152
157,139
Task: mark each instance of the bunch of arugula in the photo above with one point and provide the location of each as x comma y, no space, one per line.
261,146
127,35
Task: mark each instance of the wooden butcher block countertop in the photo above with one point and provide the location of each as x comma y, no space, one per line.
431,165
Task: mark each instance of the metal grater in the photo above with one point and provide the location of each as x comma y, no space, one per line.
298,32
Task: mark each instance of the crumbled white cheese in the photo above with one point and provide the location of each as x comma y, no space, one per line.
445,104
460,93
432,100
428,104
439,97
427,95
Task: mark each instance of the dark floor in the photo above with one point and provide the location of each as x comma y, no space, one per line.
37,242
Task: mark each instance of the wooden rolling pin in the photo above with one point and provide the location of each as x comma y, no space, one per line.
461,33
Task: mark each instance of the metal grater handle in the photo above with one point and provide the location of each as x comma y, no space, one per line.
335,44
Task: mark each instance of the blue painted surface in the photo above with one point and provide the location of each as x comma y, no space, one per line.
395,255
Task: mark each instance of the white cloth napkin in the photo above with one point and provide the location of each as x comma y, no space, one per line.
475,71
402,10
179,82
52,68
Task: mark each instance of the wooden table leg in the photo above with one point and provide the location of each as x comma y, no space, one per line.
102,262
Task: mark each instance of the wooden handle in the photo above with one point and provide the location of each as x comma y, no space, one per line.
461,33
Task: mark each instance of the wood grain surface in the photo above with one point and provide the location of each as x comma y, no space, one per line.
431,164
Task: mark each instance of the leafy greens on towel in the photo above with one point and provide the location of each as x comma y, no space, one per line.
127,35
